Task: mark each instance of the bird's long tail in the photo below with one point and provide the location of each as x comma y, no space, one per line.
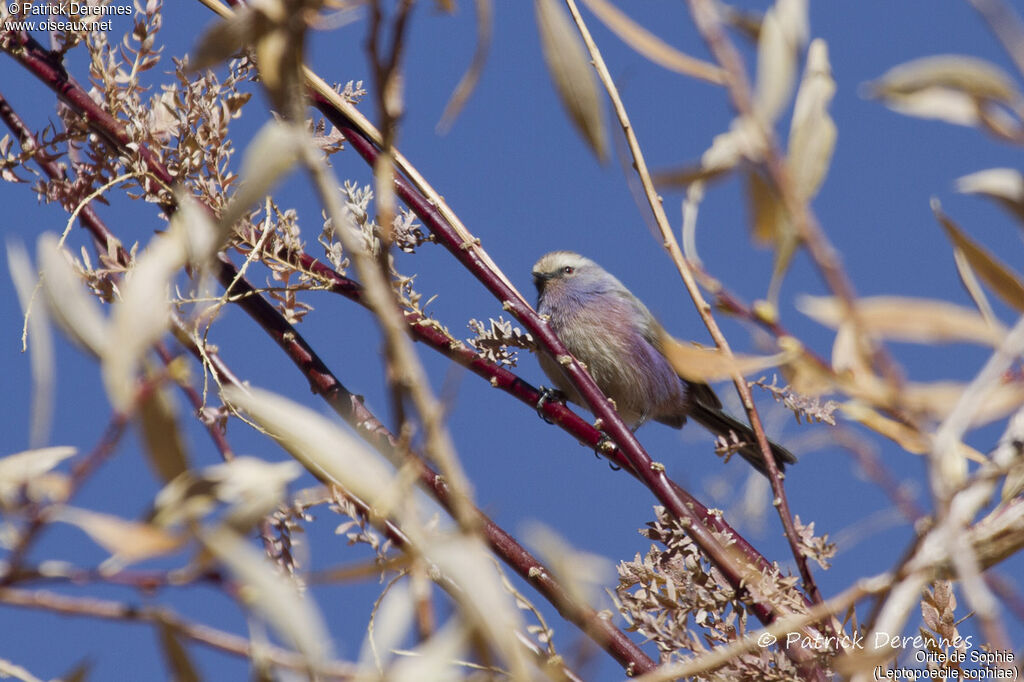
719,423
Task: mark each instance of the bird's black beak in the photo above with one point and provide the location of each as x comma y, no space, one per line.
540,280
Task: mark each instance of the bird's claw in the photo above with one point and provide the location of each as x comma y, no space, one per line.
603,447
547,395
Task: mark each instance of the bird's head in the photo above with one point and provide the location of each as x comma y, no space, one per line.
561,270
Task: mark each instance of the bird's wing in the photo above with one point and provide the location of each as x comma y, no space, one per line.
698,392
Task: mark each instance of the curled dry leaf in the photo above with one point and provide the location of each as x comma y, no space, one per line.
1005,185
917,320
935,400
329,452
179,662
22,468
743,140
570,71
940,104
228,37
768,216
710,364
1005,282
251,487
274,30
973,286
462,92
651,46
909,439
482,596
960,73
804,373
276,148
390,624
583,574
127,541
141,317
40,342
435,659
812,134
850,372
783,33
953,88
143,314
164,444
71,307
273,595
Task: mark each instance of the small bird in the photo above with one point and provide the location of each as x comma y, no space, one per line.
609,330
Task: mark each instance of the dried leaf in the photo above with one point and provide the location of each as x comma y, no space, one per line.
651,46
959,73
228,37
7,668
143,314
392,620
710,364
164,444
583,574
1004,282
910,440
953,88
940,104
571,73
325,449
1005,185
40,341
812,135
273,595
804,373
251,487
435,659
916,320
274,151
462,92
178,660
335,456
128,541
140,318
489,607
973,287
75,311
769,218
21,468
742,141
935,400
783,32
849,357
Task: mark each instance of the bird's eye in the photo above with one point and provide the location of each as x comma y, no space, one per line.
568,269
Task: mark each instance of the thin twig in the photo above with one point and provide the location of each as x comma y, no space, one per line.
157,615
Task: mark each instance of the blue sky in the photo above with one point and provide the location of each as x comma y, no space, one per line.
521,180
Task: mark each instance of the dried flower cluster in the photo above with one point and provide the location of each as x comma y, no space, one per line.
810,408
497,342
677,599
